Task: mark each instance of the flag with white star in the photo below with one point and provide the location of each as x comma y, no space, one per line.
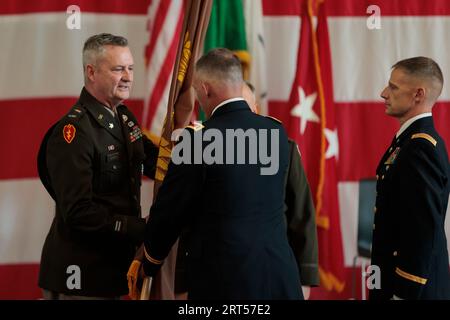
312,126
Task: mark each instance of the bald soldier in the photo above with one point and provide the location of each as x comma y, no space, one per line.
409,242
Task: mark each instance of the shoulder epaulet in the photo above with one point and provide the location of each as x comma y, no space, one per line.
425,136
195,126
275,119
76,112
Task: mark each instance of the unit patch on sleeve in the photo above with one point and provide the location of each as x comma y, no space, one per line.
69,133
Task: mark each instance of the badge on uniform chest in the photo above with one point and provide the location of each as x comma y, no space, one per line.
135,131
135,134
393,156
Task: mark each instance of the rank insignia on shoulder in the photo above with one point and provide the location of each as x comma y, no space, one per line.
69,132
75,113
393,156
195,126
425,136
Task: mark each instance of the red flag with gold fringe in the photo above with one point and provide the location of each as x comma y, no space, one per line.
312,125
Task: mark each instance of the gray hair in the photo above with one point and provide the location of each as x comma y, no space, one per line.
422,67
94,46
221,64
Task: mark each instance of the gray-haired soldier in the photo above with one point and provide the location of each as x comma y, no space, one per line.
91,163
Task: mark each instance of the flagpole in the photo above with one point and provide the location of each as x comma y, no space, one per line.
146,288
179,109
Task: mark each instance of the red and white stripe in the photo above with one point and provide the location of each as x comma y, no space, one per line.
42,77
165,20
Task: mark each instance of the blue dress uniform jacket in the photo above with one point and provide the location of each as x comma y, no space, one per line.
409,243
238,243
91,163
300,220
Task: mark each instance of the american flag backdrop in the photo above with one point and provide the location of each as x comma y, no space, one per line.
41,77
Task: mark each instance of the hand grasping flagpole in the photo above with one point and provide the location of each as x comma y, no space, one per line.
179,110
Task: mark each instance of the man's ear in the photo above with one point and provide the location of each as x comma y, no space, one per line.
420,94
206,89
90,72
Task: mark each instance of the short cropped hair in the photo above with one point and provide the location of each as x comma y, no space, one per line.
422,67
94,46
221,64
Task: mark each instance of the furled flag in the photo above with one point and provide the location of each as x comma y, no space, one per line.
179,109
